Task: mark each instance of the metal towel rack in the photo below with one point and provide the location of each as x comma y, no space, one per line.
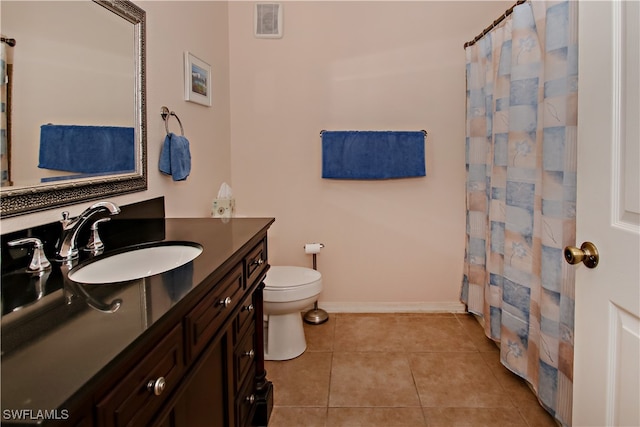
166,114
423,131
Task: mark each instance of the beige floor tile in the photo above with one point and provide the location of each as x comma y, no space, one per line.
283,416
379,369
371,379
375,417
320,337
425,314
475,332
303,381
367,332
400,332
456,380
535,415
421,333
515,386
474,417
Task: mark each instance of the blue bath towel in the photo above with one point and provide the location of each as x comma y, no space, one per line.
175,157
80,175
372,154
87,149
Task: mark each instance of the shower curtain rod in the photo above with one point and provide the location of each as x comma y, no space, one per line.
495,24
10,42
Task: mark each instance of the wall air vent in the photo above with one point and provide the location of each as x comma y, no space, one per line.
267,20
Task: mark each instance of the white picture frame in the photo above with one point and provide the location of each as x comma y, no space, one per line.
197,80
268,20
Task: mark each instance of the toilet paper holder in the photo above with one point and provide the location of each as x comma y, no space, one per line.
316,315
314,250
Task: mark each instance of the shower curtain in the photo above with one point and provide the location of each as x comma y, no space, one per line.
4,142
522,80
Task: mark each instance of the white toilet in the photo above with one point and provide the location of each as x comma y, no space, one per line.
288,290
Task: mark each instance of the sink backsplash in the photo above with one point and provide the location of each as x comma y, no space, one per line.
137,222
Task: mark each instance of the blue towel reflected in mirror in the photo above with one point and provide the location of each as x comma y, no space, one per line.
87,149
178,281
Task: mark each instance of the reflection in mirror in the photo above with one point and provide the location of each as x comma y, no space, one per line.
75,103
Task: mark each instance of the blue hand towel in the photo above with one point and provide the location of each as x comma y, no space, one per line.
175,157
372,154
87,149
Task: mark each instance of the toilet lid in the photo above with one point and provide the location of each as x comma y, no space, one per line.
286,277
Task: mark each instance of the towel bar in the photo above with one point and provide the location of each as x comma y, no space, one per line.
423,131
11,42
165,113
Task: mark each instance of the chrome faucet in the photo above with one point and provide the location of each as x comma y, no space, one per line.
39,262
68,245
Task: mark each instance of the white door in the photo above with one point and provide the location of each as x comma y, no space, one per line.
607,324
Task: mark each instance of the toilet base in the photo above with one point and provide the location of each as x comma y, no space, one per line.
284,336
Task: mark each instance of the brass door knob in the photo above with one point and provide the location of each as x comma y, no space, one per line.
587,254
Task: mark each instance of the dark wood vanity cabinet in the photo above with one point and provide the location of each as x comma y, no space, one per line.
205,370
137,396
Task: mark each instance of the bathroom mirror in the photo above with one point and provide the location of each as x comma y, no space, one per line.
76,64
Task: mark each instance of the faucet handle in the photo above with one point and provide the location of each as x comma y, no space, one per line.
95,245
39,261
66,219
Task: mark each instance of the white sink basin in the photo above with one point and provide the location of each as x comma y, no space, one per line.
136,263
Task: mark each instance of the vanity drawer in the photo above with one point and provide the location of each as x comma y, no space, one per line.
256,262
245,317
244,355
135,399
245,402
206,318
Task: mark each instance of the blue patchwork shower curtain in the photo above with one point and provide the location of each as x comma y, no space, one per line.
4,142
522,80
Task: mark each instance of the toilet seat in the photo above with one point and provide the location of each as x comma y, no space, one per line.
290,283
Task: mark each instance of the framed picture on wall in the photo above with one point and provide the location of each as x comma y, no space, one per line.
197,80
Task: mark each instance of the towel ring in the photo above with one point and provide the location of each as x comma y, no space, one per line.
165,113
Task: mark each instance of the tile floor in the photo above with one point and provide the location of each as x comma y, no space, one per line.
397,370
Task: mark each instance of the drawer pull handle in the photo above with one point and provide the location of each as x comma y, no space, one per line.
225,302
157,387
251,399
258,262
249,353
249,308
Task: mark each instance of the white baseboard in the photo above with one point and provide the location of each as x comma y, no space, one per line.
392,307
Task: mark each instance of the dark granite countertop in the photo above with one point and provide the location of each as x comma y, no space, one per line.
57,349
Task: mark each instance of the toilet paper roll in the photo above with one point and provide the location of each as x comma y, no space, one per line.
313,248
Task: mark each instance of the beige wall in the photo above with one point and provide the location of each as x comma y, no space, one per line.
357,66
341,65
173,27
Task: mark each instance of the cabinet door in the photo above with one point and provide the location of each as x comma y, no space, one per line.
206,394
204,401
